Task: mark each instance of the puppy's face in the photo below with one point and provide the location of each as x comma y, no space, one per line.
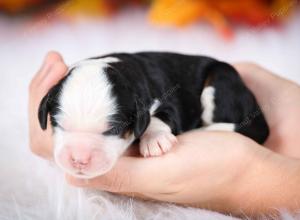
92,125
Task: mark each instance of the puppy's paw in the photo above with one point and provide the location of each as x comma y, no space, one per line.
156,143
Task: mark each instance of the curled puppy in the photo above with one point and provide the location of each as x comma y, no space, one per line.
106,103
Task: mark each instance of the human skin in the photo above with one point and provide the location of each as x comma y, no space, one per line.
221,171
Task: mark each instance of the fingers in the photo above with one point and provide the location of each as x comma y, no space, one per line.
262,82
171,176
50,73
52,70
57,71
271,91
51,58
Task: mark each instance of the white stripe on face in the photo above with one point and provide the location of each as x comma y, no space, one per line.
86,104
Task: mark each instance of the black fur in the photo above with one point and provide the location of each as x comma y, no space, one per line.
50,105
177,81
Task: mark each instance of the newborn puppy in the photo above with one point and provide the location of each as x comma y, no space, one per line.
106,103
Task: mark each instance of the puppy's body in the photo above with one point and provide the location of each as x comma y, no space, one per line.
148,96
178,82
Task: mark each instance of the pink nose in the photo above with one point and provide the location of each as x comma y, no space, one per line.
80,157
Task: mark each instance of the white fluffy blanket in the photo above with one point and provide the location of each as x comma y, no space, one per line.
31,188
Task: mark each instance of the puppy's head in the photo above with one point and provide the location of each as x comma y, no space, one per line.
94,119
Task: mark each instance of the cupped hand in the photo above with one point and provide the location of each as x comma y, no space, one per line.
52,70
201,170
205,167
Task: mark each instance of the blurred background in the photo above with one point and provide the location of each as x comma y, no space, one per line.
262,31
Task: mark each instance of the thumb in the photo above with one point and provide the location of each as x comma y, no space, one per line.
130,174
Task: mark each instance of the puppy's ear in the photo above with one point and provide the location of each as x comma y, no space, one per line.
142,119
43,111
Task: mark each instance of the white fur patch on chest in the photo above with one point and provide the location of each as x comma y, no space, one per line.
86,98
208,104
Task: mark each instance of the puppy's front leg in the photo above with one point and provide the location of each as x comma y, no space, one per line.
157,139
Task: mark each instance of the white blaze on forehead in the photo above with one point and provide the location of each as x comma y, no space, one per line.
86,99
99,61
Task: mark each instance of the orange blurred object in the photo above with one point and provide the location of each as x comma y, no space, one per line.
96,7
19,6
220,13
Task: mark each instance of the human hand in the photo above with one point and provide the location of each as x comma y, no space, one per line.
52,70
204,167
280,100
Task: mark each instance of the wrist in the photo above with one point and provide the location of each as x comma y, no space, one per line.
270,183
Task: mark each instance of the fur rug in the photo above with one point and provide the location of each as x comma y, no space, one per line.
41,193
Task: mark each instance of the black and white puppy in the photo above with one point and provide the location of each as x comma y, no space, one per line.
106,103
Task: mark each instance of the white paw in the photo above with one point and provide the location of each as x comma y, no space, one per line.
156,143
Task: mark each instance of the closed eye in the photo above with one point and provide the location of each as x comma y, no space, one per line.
118,131
112,131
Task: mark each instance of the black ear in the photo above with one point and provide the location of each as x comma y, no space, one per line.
43,112
142,119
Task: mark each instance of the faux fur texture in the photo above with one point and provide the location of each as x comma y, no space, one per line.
30,189
28,194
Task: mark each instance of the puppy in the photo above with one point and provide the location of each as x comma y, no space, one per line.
106,103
